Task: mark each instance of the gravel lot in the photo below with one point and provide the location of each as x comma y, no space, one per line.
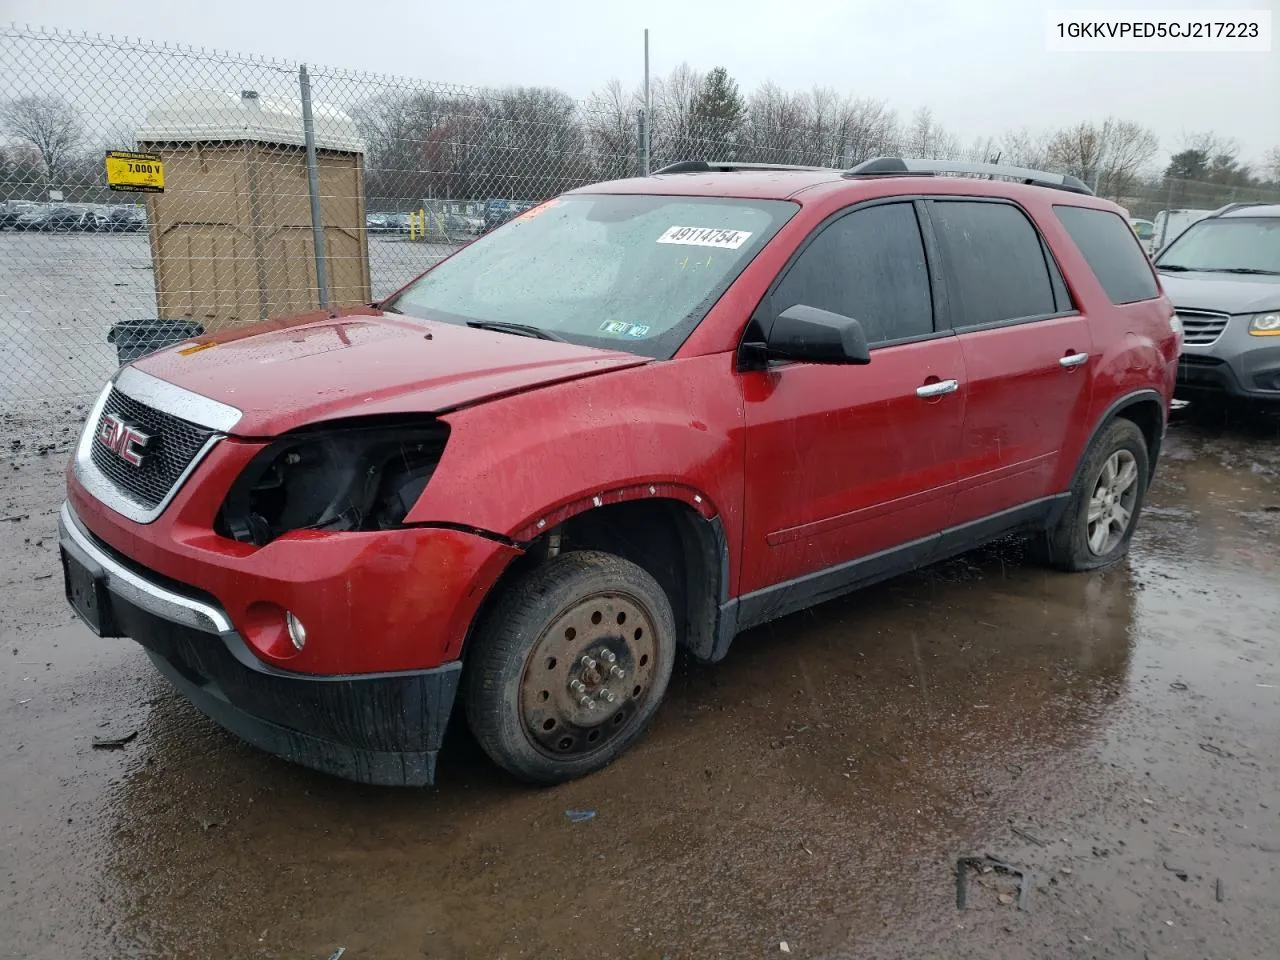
1116,734
61,292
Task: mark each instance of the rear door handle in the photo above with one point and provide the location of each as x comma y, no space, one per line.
1073,359
938,388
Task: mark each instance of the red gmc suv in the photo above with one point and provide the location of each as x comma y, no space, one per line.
640,417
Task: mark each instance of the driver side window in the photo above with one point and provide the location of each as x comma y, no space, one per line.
868,265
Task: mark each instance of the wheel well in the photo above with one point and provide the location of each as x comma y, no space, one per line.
1146,413
668,539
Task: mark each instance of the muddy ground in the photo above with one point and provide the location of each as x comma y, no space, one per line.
1115,734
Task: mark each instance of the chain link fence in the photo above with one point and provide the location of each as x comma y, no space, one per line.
404,173
400,171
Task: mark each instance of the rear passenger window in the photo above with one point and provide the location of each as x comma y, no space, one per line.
995,264
1112,252
868,265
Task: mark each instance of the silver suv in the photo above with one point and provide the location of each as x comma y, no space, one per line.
1223,276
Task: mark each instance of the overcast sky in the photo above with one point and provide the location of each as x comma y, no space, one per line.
981,65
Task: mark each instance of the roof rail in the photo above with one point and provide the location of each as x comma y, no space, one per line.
902,167
713,166
1236,205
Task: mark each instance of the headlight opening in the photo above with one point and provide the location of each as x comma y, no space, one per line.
351,478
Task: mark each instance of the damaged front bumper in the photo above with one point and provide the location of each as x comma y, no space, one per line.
378,728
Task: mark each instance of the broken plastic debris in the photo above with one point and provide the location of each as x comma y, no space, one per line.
113,743
579,816
783,946
337,954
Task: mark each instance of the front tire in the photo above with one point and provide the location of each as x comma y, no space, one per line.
568,668
1103,506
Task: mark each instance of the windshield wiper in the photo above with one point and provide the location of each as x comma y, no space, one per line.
1251,271
386,309
519,329
1173,267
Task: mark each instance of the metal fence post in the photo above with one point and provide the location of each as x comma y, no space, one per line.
313,186
1168,210
642,143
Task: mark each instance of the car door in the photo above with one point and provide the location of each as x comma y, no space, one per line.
1027,353
846,463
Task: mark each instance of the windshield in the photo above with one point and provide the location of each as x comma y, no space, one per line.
1226,244
628,272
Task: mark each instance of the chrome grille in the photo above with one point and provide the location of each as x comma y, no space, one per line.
1200,328
173,445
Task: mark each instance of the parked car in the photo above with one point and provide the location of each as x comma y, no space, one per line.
1223,276
31,217
128,219
54,220
11,211
377,222
1145,231
499,212
459,227
98,219
649,416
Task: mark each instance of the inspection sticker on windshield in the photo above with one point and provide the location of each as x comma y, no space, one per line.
706,237
621,328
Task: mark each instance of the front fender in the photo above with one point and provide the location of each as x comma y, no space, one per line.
673,428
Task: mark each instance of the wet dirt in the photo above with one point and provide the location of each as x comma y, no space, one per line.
1115,734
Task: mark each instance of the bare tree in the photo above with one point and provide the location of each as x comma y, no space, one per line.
611,130
674,104
531,145
123,136
49,124
1025,148
21,173
1271,164
776,126
927,139
872,131
1109,156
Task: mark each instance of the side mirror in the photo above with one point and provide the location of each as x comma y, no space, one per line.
817,336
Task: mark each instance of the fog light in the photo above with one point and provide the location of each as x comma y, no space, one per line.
297,632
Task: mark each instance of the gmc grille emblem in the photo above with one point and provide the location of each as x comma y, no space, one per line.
123,439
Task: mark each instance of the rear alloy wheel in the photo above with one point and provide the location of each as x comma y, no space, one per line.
569,666
1103,505
1111,505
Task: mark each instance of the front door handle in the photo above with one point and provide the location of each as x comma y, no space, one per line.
938,388
1073,359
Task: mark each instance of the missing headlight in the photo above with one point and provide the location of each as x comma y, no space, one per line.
363,477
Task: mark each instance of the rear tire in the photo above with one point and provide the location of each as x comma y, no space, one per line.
568,668
1104,503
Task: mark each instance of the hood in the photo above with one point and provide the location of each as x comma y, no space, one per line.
322,366
1222,292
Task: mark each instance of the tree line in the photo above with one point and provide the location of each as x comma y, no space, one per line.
528,143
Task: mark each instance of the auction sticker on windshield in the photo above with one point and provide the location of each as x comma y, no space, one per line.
706,237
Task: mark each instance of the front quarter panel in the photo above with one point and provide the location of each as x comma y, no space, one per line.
668,429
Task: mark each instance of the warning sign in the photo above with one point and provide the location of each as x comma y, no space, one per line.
135,172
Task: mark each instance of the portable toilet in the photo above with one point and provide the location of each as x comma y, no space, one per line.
231,236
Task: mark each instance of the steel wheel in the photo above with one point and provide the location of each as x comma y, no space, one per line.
1112,503
588,674
569,666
